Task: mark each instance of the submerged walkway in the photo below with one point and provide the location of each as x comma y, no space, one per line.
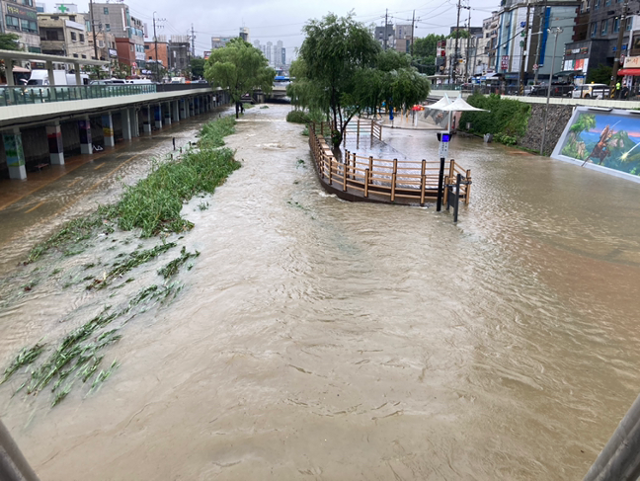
368,169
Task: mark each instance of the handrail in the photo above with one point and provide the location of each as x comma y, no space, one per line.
24,95
393,178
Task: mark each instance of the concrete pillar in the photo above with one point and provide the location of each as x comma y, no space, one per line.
126,124
157,115
191,109
146,128
76,66
9,71
183,109
175,107
107,129
201,102
86,145
14,153
135,125
52,79
167,113
56,150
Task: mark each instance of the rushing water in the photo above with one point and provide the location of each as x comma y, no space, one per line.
320,339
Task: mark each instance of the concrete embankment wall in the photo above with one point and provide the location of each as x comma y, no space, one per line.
557,120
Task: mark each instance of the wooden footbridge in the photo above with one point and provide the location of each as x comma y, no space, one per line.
357,177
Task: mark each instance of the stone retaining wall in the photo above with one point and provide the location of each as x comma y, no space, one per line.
557,120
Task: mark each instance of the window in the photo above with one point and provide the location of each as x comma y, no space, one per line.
75,55
84,56
72,18
12,22
24,24
73,36
605,27
100,44
29,3
607,2
105,10
33,26
107,27
594,29
628,22
616,25
81,35
596,5
146,47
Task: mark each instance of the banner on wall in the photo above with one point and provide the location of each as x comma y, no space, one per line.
601,140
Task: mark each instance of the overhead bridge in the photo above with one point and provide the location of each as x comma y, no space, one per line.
38,125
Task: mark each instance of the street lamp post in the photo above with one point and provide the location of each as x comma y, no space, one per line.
557,31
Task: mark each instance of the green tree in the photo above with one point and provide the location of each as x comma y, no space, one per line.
9,41
427,46
197,67
461,33
600,75
341,70
240,68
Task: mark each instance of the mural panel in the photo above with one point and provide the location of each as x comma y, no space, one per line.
607,139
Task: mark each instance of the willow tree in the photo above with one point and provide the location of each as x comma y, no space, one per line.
240,68
342,70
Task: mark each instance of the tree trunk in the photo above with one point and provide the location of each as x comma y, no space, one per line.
237,110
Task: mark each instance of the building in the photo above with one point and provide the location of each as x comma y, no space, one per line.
179,53
126,52
21,19
385,31
64,34
512,54
116,19
219,42
490,30
597,45
268,52
107,49
244,34
163,51
403,38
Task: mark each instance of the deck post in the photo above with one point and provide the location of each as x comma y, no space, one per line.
358,131
372,129
440,181
366,183
457,199
345,165
468,186
330,170
393,180
445,199
423,181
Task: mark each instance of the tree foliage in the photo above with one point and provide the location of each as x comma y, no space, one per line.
600,75
9,41
507,119
197,67
341,70
240,68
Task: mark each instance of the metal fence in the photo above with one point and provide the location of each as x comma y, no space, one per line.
24,95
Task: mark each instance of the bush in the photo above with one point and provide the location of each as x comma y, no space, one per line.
507,119
298,117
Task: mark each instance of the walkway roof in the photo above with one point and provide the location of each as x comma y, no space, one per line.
43,57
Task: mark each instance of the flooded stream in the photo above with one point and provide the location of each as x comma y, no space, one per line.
321,339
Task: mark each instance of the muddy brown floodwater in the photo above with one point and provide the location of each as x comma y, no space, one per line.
320,339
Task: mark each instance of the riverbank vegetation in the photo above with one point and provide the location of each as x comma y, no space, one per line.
151,208
341,71
506,119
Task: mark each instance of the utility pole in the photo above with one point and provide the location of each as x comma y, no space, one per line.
386,12
557,31
93,30
155,40
540,30
413,22
466,64
193,42
455,52
524,49
616,61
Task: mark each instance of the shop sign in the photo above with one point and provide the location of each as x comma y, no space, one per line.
21,13
632,62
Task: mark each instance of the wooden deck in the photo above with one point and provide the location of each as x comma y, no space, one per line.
359,178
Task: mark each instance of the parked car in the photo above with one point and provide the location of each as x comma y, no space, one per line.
591,91
558,89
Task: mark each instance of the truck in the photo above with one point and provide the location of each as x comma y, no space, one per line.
41,77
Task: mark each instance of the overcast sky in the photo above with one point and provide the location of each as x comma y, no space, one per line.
273,20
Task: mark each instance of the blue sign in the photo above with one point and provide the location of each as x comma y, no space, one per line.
523,24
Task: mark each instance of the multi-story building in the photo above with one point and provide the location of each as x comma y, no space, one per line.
597,45
21,19
490,30
64,34
115,18
268,52
244,33
531,48
403,38
163,51
388,32
219,42
179,53
107,49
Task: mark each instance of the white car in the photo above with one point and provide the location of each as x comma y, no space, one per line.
591,91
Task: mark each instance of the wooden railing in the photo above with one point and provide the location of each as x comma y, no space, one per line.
398,180
358,127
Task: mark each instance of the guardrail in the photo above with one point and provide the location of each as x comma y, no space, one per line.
24,95
396,180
